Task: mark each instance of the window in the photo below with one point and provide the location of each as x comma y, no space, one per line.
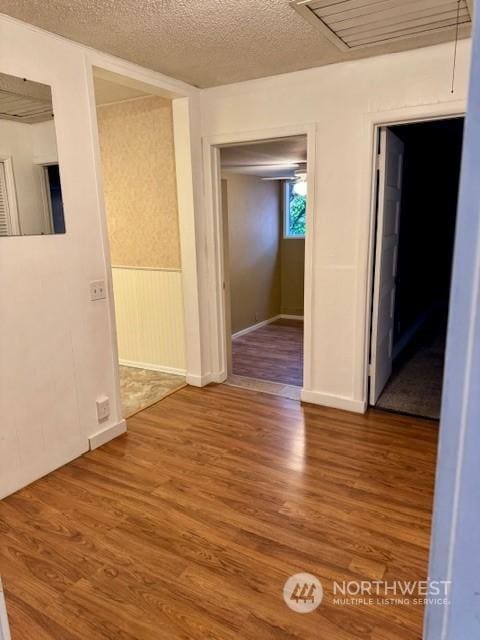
295,209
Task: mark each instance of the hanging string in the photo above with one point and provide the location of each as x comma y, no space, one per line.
456,43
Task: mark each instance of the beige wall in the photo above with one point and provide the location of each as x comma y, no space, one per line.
254,233
266,270
292,276
138,164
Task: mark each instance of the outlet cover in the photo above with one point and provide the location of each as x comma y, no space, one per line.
103,408
98,290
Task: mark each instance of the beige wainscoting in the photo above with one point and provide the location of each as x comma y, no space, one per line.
149,312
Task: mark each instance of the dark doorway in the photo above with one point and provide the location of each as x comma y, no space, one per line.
55,192
431,169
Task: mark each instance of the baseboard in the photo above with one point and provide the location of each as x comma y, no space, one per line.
152,367
107,434
335,402
254,327
207,378
286,316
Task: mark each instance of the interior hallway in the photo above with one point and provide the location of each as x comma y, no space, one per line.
189,524
273,352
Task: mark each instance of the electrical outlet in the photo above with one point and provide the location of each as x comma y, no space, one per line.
98,290
103,408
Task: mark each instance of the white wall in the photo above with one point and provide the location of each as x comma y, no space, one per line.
58,350
44,142
454,553
342,101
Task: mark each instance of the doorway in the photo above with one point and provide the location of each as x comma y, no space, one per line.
418,168
264,216
140,193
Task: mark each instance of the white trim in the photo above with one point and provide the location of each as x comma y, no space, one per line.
4,626
212,189
186,137
104,238
254,327
152,367
123,101
107,434
196,380
120,266
301,6
208,378
456,516
336,402
372,123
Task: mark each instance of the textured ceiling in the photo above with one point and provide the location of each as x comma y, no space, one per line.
204,42
274,158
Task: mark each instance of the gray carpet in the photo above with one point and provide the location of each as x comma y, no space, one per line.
415,386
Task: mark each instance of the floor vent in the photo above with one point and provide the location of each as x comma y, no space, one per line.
354,24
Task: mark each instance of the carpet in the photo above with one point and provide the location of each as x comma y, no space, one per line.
415,386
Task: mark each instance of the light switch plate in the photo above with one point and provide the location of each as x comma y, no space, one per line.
98,290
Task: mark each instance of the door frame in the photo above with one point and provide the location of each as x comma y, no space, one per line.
215,232
186,144
431,113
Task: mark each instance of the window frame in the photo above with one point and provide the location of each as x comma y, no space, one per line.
287,185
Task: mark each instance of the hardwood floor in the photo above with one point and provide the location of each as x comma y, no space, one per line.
188,526
273,352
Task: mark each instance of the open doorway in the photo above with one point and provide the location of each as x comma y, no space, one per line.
264,205
140,193
417,185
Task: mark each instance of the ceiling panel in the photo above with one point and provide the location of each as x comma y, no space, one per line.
353,24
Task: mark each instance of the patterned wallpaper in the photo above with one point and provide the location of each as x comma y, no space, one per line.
136,142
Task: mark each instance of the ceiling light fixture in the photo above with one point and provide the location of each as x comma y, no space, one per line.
300,188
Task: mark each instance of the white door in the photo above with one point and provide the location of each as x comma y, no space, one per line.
390,168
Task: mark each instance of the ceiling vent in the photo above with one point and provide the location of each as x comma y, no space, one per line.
354,24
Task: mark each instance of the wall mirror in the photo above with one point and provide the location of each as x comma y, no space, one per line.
30,190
